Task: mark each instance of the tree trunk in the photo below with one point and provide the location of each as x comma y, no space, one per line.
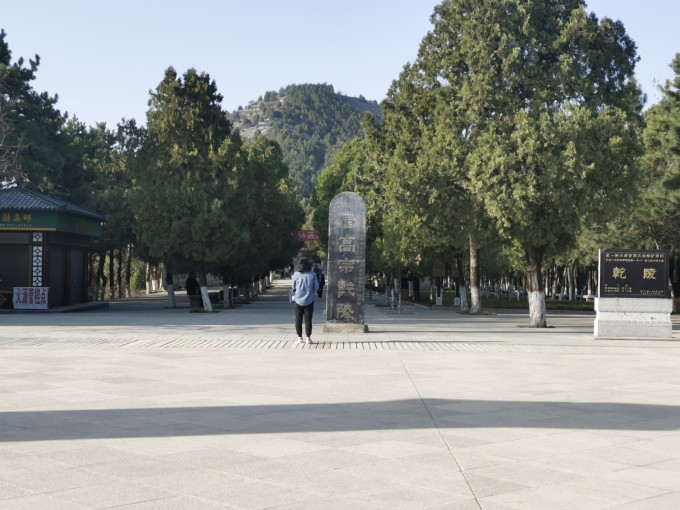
674,282
535,290
568,283
91,282
556,291
460,281
170,287
207,305
100,290
396,301
591,281
463,297
112,281
474,276
147,278
244,292
674,308
128,272
119,274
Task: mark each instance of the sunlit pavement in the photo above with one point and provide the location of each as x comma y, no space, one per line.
140,406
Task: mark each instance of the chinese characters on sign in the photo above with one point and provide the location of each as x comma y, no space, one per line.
346,259
619,272
649,274
16,219
307,235
30,298
633,273
346,245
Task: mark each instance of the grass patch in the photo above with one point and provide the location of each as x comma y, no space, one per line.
506,303
523,304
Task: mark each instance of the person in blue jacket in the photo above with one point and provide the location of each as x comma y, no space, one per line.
305,285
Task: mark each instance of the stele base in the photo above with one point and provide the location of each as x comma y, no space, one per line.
633,318
344,327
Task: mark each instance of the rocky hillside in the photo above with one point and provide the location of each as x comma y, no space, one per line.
310,122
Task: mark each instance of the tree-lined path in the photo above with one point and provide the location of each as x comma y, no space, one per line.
267,322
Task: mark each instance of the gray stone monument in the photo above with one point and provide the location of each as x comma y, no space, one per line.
633,299
346,265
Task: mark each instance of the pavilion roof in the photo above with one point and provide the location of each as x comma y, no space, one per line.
22,199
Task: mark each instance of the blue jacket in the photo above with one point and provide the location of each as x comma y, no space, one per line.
305,286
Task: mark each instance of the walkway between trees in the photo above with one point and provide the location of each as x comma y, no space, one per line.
267,322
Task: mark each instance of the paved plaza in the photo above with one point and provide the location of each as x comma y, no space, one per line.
138,406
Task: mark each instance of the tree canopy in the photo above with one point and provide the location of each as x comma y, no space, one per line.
35,149
658,205
534,107
203,198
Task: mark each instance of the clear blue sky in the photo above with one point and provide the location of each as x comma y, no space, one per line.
103,58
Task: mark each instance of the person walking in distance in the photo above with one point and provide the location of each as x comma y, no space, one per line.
305,285
192,285
322,281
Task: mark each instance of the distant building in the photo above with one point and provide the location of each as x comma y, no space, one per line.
44,247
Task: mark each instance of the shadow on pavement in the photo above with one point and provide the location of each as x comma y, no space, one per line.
334,417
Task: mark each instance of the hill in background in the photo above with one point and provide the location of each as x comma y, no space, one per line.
310,123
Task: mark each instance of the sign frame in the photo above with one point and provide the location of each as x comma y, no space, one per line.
633,274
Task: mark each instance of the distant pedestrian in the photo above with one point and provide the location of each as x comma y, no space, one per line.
322,282
193,288
305,284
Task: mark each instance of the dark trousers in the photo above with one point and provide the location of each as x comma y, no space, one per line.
307,312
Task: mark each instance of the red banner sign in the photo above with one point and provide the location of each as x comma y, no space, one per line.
307,235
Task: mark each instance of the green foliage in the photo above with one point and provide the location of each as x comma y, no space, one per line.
204,199
525,113
138,277
503,302
541,178
111,158
339,176
552,110
655,219
355,168
267,210
34,144
311,123
270,96
180,186
503,260
426,207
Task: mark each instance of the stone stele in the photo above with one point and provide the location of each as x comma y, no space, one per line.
346,265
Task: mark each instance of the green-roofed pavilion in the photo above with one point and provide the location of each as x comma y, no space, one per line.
44,246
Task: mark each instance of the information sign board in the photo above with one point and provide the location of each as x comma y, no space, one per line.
30,298
633,273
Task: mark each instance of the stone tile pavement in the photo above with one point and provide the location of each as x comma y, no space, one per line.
142,407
